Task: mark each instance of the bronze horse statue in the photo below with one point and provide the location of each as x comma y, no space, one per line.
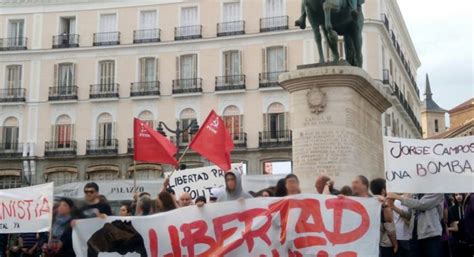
335,17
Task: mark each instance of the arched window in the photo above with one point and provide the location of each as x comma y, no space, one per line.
9,136
276,122
61,175
105,127
233,120
63,132
187,116
147,117
102,172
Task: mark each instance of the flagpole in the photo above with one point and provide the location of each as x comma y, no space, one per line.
180,159
134,175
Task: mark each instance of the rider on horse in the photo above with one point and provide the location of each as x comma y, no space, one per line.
354,6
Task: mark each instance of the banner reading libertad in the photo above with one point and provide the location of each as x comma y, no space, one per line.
26,209
303,225
429,166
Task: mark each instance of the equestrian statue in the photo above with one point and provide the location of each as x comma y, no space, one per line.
335,18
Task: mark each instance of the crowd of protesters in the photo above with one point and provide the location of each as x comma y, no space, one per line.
421,225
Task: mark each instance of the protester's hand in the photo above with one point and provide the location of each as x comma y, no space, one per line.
341,196
241,200
381,199
200,204
73,223
395,249
394,196
102,216
390,203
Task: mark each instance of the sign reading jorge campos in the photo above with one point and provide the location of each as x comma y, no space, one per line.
199,182
417,166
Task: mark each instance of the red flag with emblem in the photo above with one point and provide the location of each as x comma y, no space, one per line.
151,146
214,142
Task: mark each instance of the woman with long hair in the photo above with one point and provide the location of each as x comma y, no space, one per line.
165,202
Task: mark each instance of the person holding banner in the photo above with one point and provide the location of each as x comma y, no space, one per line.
94,207
426,212
60,244
233,188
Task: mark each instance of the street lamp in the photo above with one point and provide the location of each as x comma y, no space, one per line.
192,127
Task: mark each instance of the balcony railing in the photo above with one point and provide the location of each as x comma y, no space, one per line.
66,41
231,28
269,79
231,82
11,95
149,88
188,32
62,93
102,146
106,38
11,150
240,140
183,86
275,138
401,98
273,23
146,36
13,43
386,76
104,91
130,145
60,148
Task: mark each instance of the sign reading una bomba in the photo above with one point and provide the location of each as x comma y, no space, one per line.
429,166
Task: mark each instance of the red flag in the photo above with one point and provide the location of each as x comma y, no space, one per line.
214,142
151,146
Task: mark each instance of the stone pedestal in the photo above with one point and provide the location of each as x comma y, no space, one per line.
336,114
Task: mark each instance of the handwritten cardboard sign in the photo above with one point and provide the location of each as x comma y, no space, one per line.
26,209
302,225
429,166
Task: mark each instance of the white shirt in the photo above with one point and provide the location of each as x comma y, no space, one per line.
402,227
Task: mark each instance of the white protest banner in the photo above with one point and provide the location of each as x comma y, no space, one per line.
199,182
429,166
26,209
300,225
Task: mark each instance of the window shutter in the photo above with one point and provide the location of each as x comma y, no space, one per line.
285,56
55,75
287,121
240,63
265,122
264,60
53,132
178,75
157,69
195,66
142,69
74,72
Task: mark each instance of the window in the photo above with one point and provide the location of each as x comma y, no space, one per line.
10,133
391,67
274,8
61,177
15,33
277,167
67,25
233,121
147,118
13,77
189,16
103,175
187,66
7,182
62,132
231,11
108,24
105,127
187,116
148,20
436,125
275,59
65,75
275,120
148,69
106,72
232,63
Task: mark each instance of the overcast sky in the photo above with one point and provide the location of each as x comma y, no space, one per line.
443,33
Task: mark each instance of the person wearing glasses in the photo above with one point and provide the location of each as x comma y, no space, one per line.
94,207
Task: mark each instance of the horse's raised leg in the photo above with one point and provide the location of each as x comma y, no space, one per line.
317,37
358,41
332,39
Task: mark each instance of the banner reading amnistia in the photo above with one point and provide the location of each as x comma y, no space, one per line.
301,225
26,209
429,166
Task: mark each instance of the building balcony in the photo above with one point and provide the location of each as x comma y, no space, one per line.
150,88
12,95
130,146
231,28
275,138
102,147
404,103
269,79
386,76
13,43
186,86
104,91
188,32
146,36
66,41
106,38
11,150
239,139
62,93
273,23
60,148
231,82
